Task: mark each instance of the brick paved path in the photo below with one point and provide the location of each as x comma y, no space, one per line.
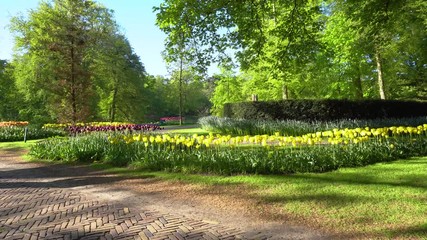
44,213
39,203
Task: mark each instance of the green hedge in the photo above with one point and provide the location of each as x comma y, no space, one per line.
291,127
325,110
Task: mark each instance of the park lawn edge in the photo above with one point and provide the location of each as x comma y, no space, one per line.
17,145
383,200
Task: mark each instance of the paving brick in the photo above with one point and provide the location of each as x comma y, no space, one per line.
142,236
45,213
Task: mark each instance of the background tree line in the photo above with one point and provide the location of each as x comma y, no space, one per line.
72,63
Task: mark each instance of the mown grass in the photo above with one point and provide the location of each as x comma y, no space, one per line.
185,129
386,200
198,131
8,146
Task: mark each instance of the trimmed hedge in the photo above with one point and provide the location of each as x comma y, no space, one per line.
325,110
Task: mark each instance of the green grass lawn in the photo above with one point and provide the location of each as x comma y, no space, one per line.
21,145
387,200
193,129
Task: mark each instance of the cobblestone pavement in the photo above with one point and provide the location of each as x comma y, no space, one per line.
58,202
39,203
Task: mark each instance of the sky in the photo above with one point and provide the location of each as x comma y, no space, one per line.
136,18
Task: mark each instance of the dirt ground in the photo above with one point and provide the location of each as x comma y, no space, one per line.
233,206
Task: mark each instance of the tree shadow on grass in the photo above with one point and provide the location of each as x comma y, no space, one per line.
326,199
412,232
383,174
412,181
12,150
57,176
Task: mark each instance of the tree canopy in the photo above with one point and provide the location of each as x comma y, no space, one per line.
73,64
307,48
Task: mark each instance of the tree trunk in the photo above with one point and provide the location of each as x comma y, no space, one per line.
380,74
285,95
73,85
113,102
180,92
357,81
113,105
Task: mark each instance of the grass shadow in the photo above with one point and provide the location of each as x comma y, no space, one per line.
412,232
325,199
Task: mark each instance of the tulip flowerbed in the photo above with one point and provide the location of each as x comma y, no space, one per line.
115,128
80,124
103,127
14,124
262,154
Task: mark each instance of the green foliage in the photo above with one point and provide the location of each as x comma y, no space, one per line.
227,89
54,53
305,49
10,134
164,96
9,98
120,80
185,38
241,127
325,110
72,64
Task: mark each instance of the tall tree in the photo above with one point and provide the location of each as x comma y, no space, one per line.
347,55
228,88
308,49
120,77
9,99
380,27
240,24
163,95
55,48
281,33
407,53
186,87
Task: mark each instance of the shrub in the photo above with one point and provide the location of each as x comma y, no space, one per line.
325,110
295,127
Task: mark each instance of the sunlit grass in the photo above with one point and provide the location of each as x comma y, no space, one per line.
386,200
17,145
189,131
